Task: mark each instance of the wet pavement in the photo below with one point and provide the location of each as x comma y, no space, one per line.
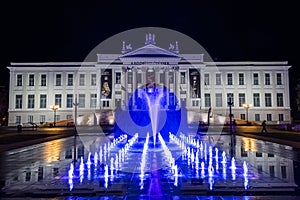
43,170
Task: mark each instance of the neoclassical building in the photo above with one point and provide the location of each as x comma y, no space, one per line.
118,80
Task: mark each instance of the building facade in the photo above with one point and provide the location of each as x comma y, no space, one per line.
119,80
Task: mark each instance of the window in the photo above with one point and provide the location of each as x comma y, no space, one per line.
230,98
279,79
105,104
139,77
81,79
269,117
171,78
43,80
31,101
257,117
258,154
129,81
42,119
162,77
69,116
57,117
19,101
69,100
219,100
241,99
43,101
19,80
243,117
70,80
27,176
270,155
58,80
241,79
81,101
93,79
118,77
206,79
218,79
256,100
283,171
207,100
40,173
267,79
280,117
268,100
18,119
195,103
229,79
30,118
182,77
58,99
31,80
255,79
279,100
93,100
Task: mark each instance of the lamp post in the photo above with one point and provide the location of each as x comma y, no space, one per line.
247,106
54,108
230,104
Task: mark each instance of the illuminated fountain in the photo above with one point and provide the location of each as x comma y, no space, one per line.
153,97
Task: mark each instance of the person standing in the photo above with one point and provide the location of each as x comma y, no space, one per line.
264,126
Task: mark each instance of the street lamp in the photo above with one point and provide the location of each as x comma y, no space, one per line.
247,106
54,108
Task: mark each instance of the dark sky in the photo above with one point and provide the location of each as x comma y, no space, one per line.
33,31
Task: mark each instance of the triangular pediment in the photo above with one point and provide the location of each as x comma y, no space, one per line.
150,50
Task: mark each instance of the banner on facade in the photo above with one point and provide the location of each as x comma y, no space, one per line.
194,83
106,84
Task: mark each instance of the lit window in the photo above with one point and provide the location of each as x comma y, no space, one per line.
268,100
19,101
93,100
255,79
218,79
279,79
69,100
229,79
19,80
279,99
182,77
256,100
81,101
43,80
43,101
81,79
31,101
93,79
206,79
241,79
31,80
241,99
58,100
70,80
267,79
207,100
58,80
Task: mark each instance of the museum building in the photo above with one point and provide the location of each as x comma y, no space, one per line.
258,90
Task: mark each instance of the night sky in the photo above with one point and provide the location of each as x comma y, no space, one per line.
34,31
